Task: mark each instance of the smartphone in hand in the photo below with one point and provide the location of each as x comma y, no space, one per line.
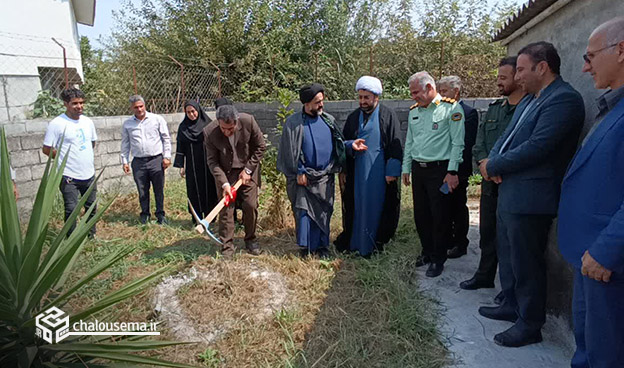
444,188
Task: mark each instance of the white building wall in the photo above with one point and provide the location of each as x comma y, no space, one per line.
26,31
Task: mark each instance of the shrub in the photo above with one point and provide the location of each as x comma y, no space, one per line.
34,268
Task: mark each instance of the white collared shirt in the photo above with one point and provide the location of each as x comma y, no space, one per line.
145,138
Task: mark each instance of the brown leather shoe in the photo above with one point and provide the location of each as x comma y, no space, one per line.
253,248
228,253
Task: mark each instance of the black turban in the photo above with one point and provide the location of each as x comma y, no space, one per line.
307,93
222,101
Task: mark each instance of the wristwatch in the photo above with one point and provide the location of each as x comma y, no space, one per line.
248,171
452,172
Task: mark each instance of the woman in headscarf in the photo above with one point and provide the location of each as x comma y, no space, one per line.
191,159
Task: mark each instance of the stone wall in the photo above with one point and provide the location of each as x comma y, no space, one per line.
25,138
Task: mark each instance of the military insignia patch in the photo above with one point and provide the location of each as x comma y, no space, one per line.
435,126
456,116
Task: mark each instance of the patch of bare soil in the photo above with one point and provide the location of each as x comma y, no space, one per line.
248,310
204,304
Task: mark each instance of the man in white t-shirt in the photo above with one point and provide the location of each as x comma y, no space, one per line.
78,135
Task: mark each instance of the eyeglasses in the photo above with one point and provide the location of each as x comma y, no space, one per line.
593,53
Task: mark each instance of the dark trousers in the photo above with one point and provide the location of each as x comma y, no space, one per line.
598,313
487,232
149,171
460,216
72,189
522,241
431,211
248,195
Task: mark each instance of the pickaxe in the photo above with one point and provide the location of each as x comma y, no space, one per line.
203,226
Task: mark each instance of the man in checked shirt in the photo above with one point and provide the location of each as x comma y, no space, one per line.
146,136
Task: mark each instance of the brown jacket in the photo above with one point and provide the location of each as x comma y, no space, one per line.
250,147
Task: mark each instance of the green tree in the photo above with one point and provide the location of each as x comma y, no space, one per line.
263,46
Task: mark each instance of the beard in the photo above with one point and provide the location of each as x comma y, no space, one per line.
314,112
367,109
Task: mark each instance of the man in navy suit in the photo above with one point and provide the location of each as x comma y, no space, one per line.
591,211
529,161
450,87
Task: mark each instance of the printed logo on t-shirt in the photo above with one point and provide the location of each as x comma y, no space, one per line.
81,139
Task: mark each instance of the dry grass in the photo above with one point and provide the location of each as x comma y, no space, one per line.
349,312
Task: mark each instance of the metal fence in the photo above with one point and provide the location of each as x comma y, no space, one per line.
34,70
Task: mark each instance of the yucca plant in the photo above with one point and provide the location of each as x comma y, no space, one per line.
34,269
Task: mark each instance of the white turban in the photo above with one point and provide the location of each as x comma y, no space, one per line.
370,84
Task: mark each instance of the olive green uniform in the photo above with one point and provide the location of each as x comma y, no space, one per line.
492,126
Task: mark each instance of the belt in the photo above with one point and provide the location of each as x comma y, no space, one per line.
70,179
148,157
425,165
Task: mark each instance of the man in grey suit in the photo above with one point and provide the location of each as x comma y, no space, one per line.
529,161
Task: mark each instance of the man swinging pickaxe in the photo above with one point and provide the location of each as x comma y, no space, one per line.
204,225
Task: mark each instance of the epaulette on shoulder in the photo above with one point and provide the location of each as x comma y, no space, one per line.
448,100
414,106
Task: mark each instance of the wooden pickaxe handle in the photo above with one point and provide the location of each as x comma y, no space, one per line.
215,211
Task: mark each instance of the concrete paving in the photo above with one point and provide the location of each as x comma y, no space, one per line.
469,336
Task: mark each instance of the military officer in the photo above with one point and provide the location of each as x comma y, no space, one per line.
433,152
496,119
451,87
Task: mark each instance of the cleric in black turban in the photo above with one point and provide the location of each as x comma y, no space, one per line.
307,92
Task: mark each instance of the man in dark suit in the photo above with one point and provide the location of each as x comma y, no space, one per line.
529,161
450,87
591,211
496,119
234,148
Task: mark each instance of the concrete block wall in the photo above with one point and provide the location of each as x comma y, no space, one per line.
25,138
265,113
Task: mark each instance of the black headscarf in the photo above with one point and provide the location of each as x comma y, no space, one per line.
193,129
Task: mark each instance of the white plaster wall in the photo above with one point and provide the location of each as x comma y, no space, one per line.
26,28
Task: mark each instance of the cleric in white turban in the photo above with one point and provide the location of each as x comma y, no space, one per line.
370,84
374,155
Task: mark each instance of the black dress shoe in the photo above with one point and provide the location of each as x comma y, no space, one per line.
474,284
499,298
514,337
162,220
144,219
323,253
456,252
434,270
498,313
422,260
